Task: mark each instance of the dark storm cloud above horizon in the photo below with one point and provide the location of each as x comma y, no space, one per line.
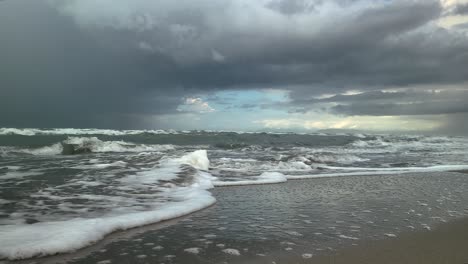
102,63
461,9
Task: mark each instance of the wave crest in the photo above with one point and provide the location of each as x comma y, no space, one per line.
80,145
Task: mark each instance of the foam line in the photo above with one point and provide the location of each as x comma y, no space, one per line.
264,178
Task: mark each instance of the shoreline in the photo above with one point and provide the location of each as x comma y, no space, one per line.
446,243
334,220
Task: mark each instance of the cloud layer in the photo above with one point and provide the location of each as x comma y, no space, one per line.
121,63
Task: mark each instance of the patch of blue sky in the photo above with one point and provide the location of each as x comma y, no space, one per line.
246,99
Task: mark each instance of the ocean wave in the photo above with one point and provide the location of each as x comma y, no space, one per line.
395,144
80,145
22,241
287,163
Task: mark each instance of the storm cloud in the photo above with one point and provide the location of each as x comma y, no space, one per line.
106,63
460,9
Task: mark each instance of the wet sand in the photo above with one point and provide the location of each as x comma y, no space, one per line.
448,243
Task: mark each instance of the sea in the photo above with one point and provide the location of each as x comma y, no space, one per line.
62,190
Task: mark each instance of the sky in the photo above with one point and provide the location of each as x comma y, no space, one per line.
238,65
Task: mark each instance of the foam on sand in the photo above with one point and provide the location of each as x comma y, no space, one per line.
264,178
276,177
436,168
22,241
377,171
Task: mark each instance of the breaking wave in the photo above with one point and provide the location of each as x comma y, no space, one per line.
80,145
176,187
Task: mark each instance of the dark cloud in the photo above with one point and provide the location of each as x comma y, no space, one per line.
54,74
75,63
379,103
397,109
460,9
454,124
291,7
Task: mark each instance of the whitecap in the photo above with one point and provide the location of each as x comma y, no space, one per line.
231,251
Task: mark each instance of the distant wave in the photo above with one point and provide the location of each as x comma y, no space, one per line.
79,145
79,131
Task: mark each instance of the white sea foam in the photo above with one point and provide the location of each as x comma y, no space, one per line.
100,166
399,144
348,237
54,149
197,159
3,201
170,167
437,168
192,250
276,177
16,131
264,178
21,241
378,171
336,158
25,241
18,174
231,251
255,165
